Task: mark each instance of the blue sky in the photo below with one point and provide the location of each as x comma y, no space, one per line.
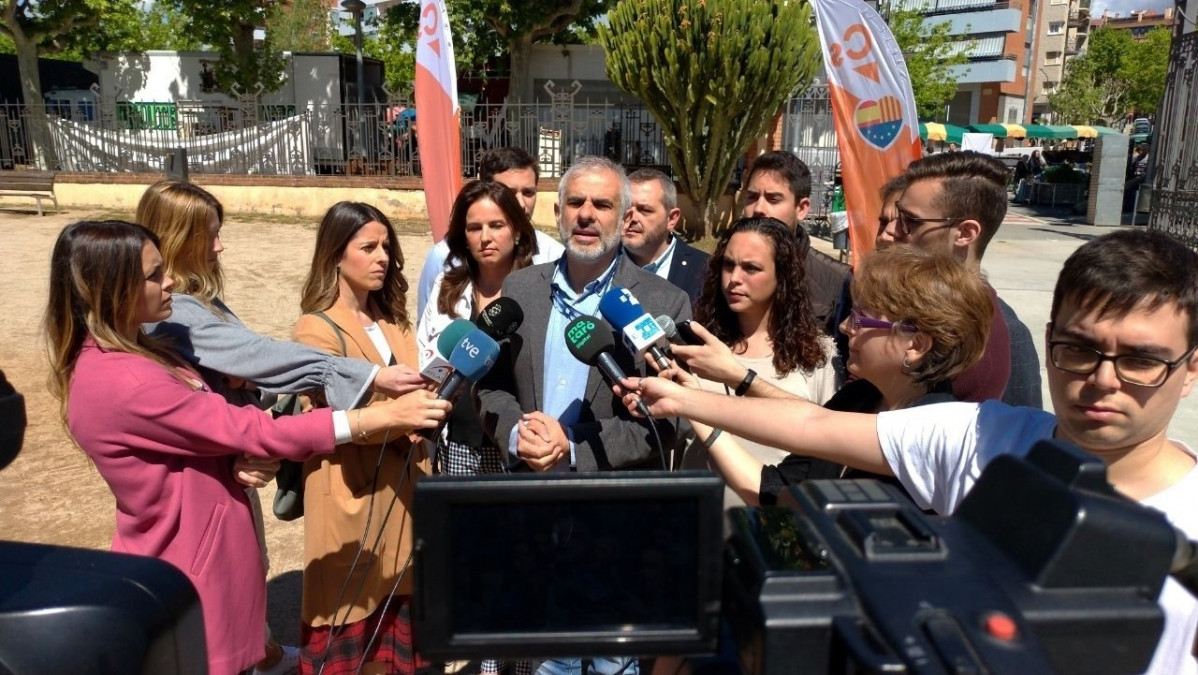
1126,7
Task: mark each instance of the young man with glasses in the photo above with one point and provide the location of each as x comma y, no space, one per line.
954,203
1121,357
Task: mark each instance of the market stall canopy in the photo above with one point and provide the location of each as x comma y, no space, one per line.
1108,131
996,130
935,131
1084,131
1050,131
1015,130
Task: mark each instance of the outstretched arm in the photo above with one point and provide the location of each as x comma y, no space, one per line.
795,425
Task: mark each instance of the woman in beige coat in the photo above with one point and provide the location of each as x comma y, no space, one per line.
357,525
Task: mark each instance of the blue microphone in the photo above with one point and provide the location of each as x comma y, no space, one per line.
473,356
642,334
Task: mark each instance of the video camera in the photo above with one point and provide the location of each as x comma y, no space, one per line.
1043,568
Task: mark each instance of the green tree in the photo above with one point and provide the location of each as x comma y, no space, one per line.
1145,66
932,55
228,27
1114,76
713,73
299,26
44,28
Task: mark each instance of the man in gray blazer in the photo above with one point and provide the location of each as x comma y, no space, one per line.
543,407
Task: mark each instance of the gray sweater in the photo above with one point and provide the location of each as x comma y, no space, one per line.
226,346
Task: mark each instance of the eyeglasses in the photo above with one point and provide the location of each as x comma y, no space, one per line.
906,223
1143,371
857,321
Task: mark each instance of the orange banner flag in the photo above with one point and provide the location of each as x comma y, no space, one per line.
877,129
437,115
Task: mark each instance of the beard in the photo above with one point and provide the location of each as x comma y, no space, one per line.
607,243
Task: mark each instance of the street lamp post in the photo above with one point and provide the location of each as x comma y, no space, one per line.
356,7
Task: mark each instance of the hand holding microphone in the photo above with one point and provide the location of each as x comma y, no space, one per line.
438,367
641,332
471,358
706,356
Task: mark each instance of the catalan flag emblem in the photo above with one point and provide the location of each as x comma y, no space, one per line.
879,121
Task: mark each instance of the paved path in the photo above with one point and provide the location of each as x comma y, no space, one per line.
1022,264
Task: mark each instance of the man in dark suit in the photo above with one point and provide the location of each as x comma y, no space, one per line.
649,238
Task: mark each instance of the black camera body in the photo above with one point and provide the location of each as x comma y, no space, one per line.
1043,568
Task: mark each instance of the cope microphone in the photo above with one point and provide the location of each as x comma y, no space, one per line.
500,319
589,339
438,368
641,332
471,358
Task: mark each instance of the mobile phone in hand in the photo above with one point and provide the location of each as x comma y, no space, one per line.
686,334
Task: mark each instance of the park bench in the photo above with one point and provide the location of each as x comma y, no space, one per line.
36,184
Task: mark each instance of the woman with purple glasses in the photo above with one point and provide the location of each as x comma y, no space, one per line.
919,319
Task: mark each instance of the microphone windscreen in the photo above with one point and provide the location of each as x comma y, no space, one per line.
587,337
452,335
474,355
500,318
620,307
667,326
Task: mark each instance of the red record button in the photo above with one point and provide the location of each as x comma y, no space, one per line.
1000,626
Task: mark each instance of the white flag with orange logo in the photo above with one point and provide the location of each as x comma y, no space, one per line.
877,129
437,115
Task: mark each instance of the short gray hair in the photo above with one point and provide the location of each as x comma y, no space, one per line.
669,192
595,164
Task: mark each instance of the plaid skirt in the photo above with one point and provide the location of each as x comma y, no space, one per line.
459,459
342,653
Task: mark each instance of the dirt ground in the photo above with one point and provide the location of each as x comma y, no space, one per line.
51,494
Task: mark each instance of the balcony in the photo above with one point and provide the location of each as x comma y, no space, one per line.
1079,16
1075,44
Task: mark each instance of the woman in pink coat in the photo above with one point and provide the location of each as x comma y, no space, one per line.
165,443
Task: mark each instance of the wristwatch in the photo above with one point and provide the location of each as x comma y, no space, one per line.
743,387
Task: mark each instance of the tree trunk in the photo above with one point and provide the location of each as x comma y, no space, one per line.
519,86
41,146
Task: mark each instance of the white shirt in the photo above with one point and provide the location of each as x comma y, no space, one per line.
548,250
938,452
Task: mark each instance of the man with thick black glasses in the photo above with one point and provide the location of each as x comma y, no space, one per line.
1122,339
954,203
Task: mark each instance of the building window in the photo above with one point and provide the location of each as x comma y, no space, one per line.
1050,87
1056,27
1052,58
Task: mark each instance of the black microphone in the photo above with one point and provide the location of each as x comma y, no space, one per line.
500,319
590,340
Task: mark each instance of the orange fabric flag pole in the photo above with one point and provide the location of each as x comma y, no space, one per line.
437,115
877,129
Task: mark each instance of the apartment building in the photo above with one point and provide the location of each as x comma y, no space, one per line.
1138,23
999,37
1064,29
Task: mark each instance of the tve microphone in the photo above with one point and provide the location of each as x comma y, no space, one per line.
589,339
471,358
500,318
641,333
438,368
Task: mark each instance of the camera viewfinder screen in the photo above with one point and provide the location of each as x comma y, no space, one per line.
544,568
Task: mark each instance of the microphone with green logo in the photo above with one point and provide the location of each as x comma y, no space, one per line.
590,340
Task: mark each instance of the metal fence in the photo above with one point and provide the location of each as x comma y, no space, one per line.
340,139
809,132
1175,175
